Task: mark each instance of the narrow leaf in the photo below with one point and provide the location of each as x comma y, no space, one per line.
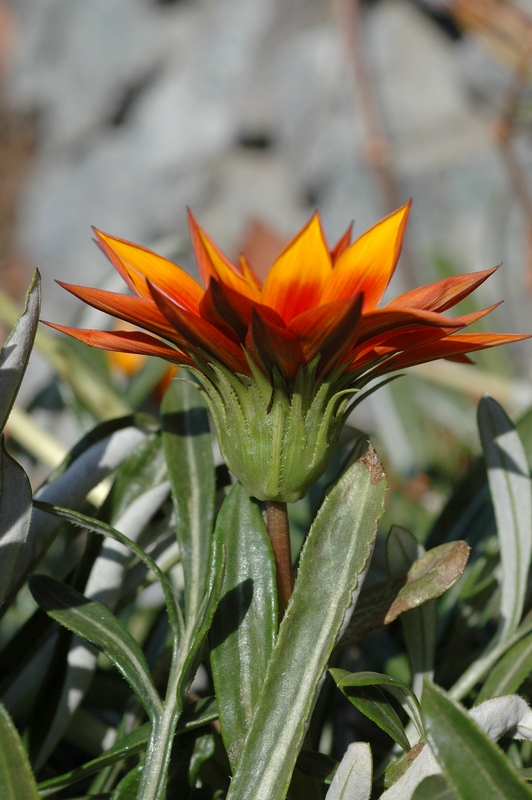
188,448
134,743
510,672
195,642
333,565
15,353
70,489
15,516
144,469
397,688
354,775
245,624
96,624
104,585
16,778
472,764
509,482
194,715
128,787
371,702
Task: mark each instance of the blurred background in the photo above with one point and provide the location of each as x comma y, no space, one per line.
120,113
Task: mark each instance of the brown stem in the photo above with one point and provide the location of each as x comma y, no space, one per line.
279,533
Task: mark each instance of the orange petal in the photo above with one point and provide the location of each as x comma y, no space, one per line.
138,310
270,346
452,347
443,294
369,263
341,245
296,278
212,263
138,264
200,335
126,342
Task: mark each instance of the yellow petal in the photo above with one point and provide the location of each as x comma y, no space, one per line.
296,279
369,263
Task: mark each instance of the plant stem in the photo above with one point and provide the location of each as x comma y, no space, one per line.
155,771
279,533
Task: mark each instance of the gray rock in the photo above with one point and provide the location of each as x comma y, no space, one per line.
76,60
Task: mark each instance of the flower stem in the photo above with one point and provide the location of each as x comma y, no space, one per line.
279,533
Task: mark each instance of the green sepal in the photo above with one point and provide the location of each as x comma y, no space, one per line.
276,440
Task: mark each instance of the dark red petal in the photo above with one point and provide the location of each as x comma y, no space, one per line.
228,310
331,330
271,345
200,335
376,323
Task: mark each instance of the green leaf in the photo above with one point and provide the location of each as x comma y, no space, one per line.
509,481
317,766
419,624
346,681
141,471
134,743
510,672
472,764
70,489
15,516
16,778
195,641
433,787
245,624
188,448
94,525
428,577
98,625
195,715
371,702
16,351
101,432
333,565
103,584
128,787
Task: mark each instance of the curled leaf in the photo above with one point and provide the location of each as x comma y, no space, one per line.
428,577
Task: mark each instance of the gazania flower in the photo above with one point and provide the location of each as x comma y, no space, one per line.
282,363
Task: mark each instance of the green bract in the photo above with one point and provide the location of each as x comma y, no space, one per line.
276,441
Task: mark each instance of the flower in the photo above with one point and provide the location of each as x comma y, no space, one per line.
281,363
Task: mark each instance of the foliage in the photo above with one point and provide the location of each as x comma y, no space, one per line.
153,660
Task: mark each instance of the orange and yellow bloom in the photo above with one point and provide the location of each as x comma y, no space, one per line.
279,362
